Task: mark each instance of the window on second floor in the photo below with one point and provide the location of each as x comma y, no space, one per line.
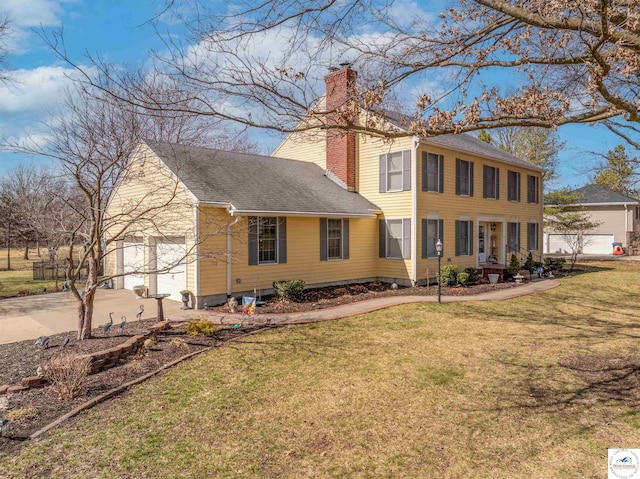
432,172
513,186
395,171
533,189
464,177
491,182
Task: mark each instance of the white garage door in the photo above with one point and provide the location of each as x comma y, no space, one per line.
557,244
597,244
171,256
133,261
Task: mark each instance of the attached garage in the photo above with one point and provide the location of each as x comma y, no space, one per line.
133,263
172,267
597,244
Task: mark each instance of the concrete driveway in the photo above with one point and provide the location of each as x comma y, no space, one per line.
29,317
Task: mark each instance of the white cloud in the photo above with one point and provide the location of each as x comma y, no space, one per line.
32,13
35,90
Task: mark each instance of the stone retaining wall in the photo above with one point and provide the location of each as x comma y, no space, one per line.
100,360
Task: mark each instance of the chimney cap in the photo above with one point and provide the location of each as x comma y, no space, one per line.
333,69
345,64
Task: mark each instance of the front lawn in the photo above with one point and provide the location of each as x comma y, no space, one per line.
536,387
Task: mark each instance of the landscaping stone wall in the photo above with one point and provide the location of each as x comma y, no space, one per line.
100,360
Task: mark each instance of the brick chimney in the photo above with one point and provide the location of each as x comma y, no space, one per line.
341,145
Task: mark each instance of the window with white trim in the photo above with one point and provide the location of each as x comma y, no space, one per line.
513,186
394,171
394,239
334,238
533,187
433,174
267,240
464,177
432,235
513,237
464,238
491,180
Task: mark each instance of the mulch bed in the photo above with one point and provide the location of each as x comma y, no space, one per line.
321,298
42,406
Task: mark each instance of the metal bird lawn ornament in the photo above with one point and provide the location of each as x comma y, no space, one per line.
108,325
65,342
139,313
123,322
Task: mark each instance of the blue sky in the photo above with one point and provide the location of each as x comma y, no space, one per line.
116,30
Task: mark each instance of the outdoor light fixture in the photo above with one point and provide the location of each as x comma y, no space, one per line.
439,251
493,226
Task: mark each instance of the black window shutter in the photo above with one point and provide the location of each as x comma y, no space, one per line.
457,238
441,173
518,194
382,239
253,240
518,235
406,170
497,183
282,240
484,180
383,173
406,238
323,239
457,176
345,239
471,235
441,233
424,237
424,171
471,178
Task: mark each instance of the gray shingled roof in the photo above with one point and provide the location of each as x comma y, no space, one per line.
259,183
463,142
597,194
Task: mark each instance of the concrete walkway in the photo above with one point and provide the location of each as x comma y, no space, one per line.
31,316
367,306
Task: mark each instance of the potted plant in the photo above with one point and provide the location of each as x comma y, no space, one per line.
186,296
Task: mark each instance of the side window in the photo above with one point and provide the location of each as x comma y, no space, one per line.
432,172
464,177
395,171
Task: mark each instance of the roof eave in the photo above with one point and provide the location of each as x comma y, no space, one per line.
310,214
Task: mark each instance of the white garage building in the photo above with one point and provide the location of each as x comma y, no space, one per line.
616,214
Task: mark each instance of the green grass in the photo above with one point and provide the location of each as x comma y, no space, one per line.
19,279
477,390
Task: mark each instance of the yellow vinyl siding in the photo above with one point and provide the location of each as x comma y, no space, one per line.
213,248
451,207
151,203
308,146
303,256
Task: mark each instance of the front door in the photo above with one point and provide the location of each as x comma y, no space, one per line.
482,248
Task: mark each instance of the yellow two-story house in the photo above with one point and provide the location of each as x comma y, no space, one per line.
328,208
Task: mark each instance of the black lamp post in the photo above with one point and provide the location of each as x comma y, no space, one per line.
439,251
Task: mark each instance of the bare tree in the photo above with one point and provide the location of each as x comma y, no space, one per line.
5,32
94,141
574,62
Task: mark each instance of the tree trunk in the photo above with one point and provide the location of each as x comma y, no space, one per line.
85,308
26,251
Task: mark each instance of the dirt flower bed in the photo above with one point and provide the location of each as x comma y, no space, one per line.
321,298
35,408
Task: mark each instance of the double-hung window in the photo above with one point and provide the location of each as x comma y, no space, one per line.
513,186
432,231
532,236
464,238
267,240
395,171
533,189
464,177
513,237
491,182
334,239
432,172
395,238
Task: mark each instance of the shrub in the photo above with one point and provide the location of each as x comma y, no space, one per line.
554,264
448,275
68,374
23,413
359,289
463,279
289,290
474,275
201,327
514,264
530,265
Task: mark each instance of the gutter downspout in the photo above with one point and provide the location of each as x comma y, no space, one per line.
626,220
196,221
415,142
229,237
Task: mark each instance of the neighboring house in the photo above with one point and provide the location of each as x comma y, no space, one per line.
616,215
333,208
